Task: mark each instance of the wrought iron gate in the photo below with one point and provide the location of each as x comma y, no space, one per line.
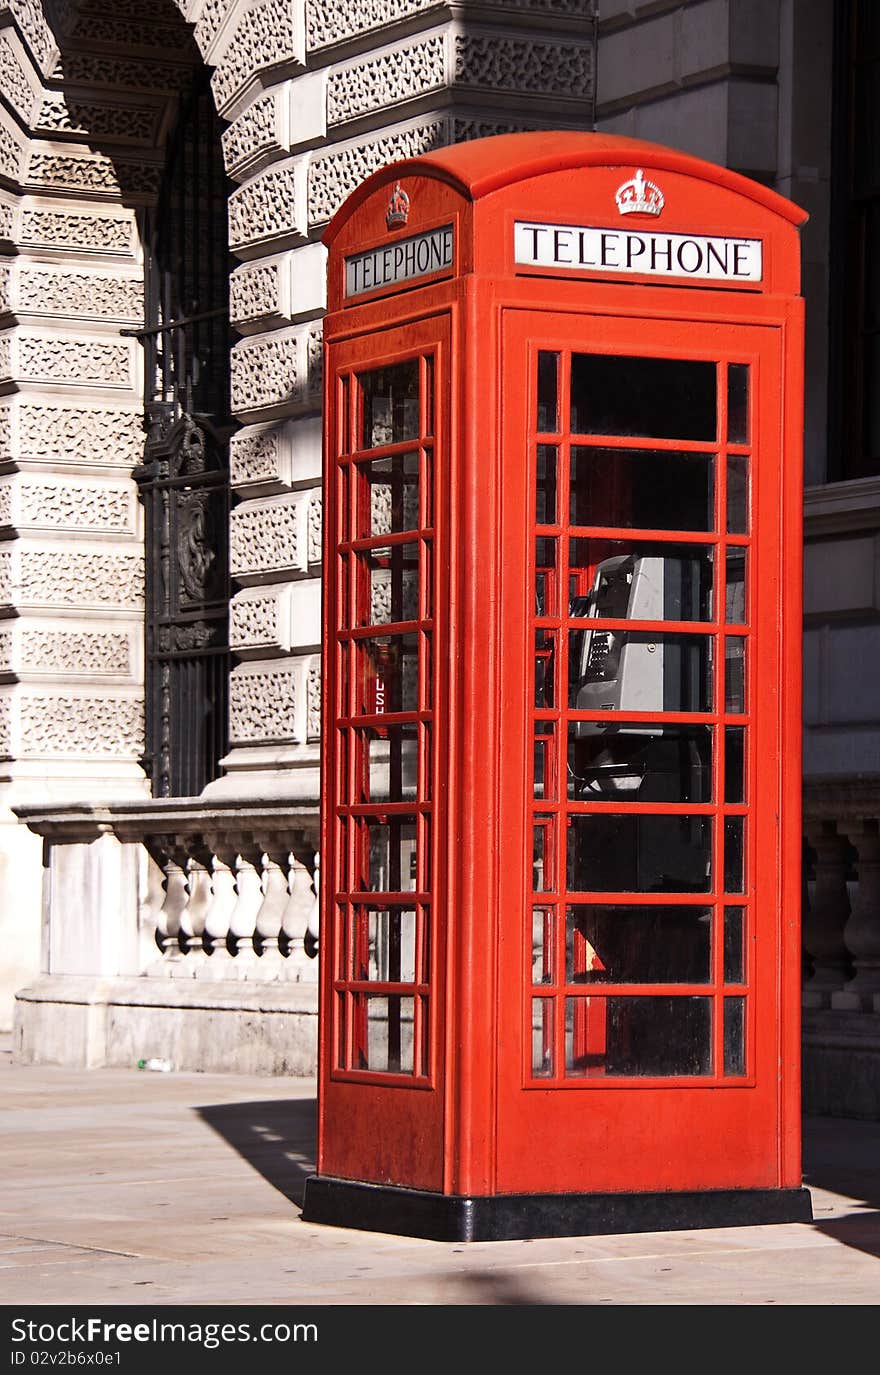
184,479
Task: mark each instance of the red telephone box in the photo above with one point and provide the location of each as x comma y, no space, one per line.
561,786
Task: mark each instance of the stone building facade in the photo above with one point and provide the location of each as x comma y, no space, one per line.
138,917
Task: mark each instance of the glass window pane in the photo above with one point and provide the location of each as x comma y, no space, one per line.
734,954
389,674
545,485
543,878
388,495
734,764
387,763
734,1036
542,945
637,944
388,585
645,582
736,602
641,853
637,1037
624,670
386,851
545,577
738,403
734,854
658,398
545,662
390,404
545,761
737,494
735,674
647,764
548,410
383,944
542,1037
642,488
383,1033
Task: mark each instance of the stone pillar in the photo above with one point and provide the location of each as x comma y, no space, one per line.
826,916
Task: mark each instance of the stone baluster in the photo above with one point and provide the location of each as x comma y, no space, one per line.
168,927
826,917
194,915
243,919
270,917
862,930
297,915
219,963
313,926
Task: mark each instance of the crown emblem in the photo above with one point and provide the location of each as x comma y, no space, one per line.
638,196
398,207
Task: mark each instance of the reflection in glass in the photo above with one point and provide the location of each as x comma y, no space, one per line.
734,956
624,670
637,944
734,854
737,494
545,658
542,857
542,1037
545,576
388,495
393,575
738,403
386,850
658,398
644,489
389,674
542,945
545,485
639,853
734,1036
735,597
639,764
387,763
645,582
734,764
383,1033
637,1037
548,372
383,944
735,674
390,404
545,761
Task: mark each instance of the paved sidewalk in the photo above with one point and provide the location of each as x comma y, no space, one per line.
127,1187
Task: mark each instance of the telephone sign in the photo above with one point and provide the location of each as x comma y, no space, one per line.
560,890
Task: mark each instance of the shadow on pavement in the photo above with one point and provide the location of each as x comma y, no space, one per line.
276,1138
842,1156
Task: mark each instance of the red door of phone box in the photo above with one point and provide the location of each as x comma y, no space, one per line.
560,945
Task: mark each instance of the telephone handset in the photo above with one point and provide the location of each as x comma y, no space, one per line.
613,670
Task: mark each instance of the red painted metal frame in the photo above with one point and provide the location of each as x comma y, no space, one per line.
478,1122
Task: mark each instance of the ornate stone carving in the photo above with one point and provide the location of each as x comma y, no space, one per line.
254,623
141,31
74,434
313,701
6,493
32,22
331,21
7,219
265,208
81,725
258,456
63,504
386,79
81,231
315,362
80,362
334,175
262,706
5,726
5,287
69,578
563,69
102,69
264,537
255,293
92,172
315,526
73,651
13,79
266,372
253,135
129,123
5,357
10,154
7,651
208,24
54,291
265,35
6,577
